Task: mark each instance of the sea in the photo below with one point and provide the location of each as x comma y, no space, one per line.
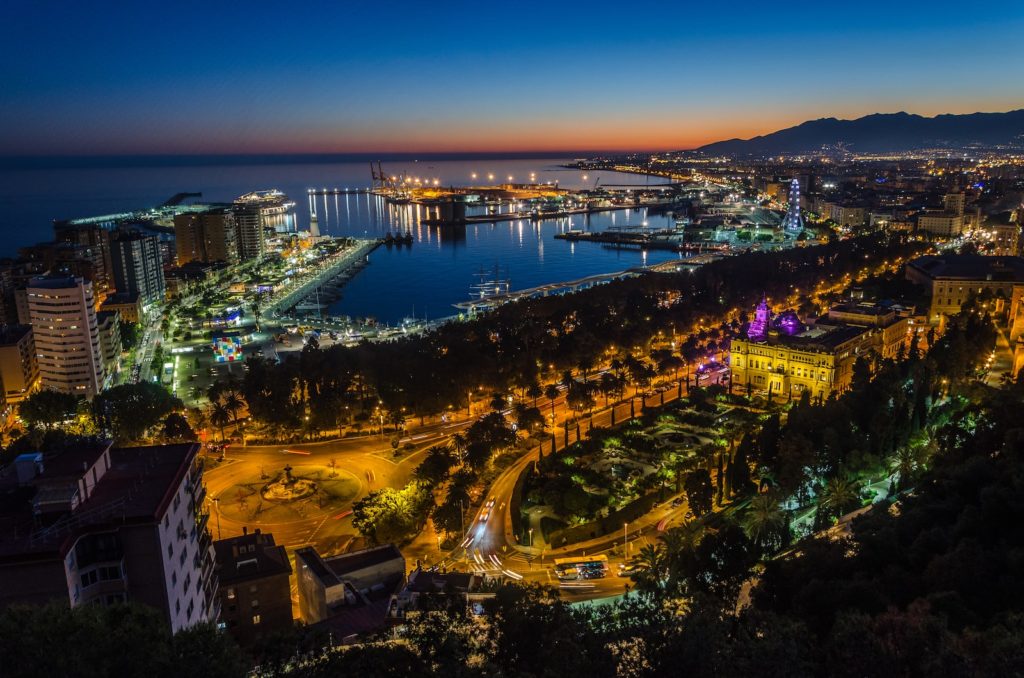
421,281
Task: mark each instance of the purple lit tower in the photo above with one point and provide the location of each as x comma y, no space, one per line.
793,221
758,329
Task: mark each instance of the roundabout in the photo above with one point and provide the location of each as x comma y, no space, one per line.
302,492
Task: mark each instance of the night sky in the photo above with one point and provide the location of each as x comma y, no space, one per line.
127,78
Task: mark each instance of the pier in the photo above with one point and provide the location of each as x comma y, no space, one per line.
338,191
327,270
538,215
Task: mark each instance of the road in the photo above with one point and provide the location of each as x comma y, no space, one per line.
367,462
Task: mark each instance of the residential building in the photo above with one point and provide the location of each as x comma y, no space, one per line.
70,259
19,370
255,585
249,231
954,203
942,224
109,326
128,306
93,235
95,525
137,266
63,316
206,236
349,593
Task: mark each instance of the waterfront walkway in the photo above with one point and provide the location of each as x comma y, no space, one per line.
326,270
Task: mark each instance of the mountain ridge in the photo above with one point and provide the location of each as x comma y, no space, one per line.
881,132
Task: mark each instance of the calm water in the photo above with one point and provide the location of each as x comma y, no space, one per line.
423,280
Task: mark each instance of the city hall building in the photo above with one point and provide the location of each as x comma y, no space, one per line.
782,356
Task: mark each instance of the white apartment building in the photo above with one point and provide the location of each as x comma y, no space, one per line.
62,312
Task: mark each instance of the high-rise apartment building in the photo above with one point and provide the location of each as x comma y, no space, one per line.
137,267
94,525
62,312
249,234
206,236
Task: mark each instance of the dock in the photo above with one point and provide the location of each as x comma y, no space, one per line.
328,270
527,216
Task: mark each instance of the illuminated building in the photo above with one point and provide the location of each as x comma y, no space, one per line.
206,236
63,316
793,222
951,279
137,266
19,370
784,357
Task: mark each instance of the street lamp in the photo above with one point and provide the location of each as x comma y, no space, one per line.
625,540
531,537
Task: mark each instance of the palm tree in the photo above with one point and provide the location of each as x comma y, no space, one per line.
608,385
458,442
685,537
839,496
765,523
650,563
551,392
220,417
232,403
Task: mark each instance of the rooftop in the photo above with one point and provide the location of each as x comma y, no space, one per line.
970,267
358,560
137,488
250,556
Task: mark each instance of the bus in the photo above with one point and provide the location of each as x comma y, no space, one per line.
584,567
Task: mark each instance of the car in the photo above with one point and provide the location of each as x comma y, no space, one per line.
485,514
677,502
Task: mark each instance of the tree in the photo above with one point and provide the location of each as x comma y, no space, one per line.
176,428
435,465
839,497
130,410
551,392
220,417
528,419
719,564
699,491
393,516
115,640
48,409
766,524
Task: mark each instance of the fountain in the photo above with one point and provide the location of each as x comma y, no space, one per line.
288,488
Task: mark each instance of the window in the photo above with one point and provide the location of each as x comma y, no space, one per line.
174,578
170,550
255,603
253,589
255,619
177,606
89,578
231,594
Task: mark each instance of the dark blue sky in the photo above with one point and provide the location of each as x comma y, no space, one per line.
250,77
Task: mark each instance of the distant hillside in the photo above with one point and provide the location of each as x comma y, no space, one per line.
883,132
